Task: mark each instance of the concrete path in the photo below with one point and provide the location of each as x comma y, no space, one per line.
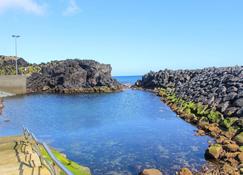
18,158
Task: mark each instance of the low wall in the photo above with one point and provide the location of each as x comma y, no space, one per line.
15,84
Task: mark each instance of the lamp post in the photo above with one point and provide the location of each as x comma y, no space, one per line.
16,49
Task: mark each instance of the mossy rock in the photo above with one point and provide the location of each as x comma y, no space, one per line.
72,166
192,105
214,151
203,120
241,148
228,122
215,117
188,111
200,109
239,139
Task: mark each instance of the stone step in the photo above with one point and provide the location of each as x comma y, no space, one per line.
28,158
17,157
16,145
11,139
9,167
26,171
8,145
11,157
11,172
36,171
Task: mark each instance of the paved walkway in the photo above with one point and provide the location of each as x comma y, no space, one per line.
18,158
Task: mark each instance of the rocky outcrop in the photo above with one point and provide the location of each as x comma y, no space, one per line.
221,88
67,76
10,61
73,76
7,65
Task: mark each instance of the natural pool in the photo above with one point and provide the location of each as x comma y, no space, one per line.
116,133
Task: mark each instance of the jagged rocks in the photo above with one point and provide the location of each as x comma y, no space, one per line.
10,61
73,76
221,88
66,76
239,102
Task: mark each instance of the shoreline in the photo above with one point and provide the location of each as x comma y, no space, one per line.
225,154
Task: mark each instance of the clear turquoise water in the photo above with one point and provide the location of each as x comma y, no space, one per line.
116,133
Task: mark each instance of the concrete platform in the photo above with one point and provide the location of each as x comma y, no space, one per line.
18,158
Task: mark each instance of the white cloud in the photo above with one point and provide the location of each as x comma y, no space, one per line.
26,5
72,8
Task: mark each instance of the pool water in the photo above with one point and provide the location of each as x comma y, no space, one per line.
113,134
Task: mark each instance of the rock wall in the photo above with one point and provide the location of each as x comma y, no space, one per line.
70,76
221,88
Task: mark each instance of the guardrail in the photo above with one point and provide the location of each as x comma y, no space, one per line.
29,135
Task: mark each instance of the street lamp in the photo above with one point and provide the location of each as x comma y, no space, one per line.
16,58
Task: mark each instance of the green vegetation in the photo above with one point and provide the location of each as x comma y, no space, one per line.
11,70
29,70
8,70
215,150
228,122
200,112
239,139
75,168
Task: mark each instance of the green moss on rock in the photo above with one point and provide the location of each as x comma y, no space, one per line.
214,151
228,122
215,116
72,166
239,139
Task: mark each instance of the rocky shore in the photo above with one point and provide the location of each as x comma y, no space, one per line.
66,76
211,99
221,88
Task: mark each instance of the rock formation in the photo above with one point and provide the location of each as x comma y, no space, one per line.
10,61
67,76
7,64
221,88
72,76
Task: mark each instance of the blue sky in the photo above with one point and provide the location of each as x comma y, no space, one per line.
134,36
